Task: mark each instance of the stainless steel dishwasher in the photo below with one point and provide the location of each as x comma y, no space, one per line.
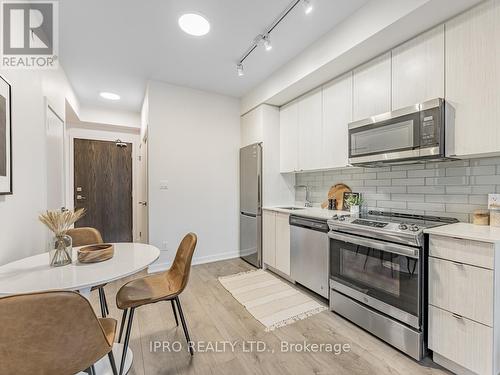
309,247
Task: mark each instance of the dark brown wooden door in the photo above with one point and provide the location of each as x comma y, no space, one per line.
103,186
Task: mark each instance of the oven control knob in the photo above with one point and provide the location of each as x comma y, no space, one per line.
342,218
403,226
414,228
335,217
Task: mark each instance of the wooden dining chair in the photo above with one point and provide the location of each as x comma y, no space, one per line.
85,236
52,333
165,286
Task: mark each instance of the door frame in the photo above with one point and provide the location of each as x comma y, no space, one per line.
50,108
102,134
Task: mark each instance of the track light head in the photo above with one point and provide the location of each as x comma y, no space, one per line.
267,42
308,7
239,69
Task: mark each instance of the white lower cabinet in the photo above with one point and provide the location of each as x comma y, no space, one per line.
269,238
276,240
463,330
463,341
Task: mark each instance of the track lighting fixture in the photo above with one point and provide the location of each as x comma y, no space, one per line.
239,69
308,7
265,38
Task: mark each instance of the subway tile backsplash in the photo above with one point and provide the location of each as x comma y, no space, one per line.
452,188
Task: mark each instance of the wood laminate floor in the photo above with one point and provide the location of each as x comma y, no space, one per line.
214,316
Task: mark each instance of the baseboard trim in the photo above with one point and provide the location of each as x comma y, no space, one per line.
450,365
196,260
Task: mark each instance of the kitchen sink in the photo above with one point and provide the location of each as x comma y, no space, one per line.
292,208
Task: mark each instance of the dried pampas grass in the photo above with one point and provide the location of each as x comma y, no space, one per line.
60,221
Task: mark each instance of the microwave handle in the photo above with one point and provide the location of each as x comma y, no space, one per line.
375,244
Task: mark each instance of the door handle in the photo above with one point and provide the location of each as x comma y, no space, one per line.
143,203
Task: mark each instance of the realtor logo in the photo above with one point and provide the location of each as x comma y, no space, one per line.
29,34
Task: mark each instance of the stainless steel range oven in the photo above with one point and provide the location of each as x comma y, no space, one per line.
382,275
377,276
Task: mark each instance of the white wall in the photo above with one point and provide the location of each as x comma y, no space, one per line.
110,117
104,133
20,232
194,139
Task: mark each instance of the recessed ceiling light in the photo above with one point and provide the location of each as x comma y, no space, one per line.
109,96
194,24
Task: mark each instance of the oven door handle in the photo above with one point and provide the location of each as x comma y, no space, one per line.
376,244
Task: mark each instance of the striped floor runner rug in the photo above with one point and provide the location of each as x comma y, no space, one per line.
270,300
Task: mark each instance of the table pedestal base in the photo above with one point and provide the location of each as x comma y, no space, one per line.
103,367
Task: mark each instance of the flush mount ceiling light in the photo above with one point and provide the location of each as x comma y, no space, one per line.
194,24
109,96
265,38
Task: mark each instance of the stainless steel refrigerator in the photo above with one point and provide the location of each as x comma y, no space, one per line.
251,204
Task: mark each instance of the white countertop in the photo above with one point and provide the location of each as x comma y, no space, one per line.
313,212
466,231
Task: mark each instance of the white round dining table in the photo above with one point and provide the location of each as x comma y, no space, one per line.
33,274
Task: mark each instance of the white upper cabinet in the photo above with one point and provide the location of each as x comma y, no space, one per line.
337,113
418,69
289,137
251,128
310,130
372,88
473,78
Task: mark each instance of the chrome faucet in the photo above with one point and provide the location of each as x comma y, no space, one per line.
308,203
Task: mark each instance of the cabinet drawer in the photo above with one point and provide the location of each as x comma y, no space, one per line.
461,340
475,253
462,289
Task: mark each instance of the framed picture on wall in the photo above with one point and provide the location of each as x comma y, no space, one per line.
5,138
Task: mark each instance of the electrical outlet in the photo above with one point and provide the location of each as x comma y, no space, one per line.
165,245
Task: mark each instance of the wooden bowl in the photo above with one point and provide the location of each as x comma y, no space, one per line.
96,253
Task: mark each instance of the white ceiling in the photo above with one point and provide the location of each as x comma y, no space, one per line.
118,45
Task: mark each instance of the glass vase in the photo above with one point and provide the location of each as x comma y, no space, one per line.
60,253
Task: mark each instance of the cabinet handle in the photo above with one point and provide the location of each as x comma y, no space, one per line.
456,316
458,264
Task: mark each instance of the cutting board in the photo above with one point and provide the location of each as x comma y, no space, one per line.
337,192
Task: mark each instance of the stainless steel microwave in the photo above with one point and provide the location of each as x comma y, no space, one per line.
413,134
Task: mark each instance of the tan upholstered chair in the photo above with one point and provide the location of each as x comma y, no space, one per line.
52,333
165,286
85,236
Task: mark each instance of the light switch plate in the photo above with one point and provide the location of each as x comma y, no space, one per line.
494,201
163,185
